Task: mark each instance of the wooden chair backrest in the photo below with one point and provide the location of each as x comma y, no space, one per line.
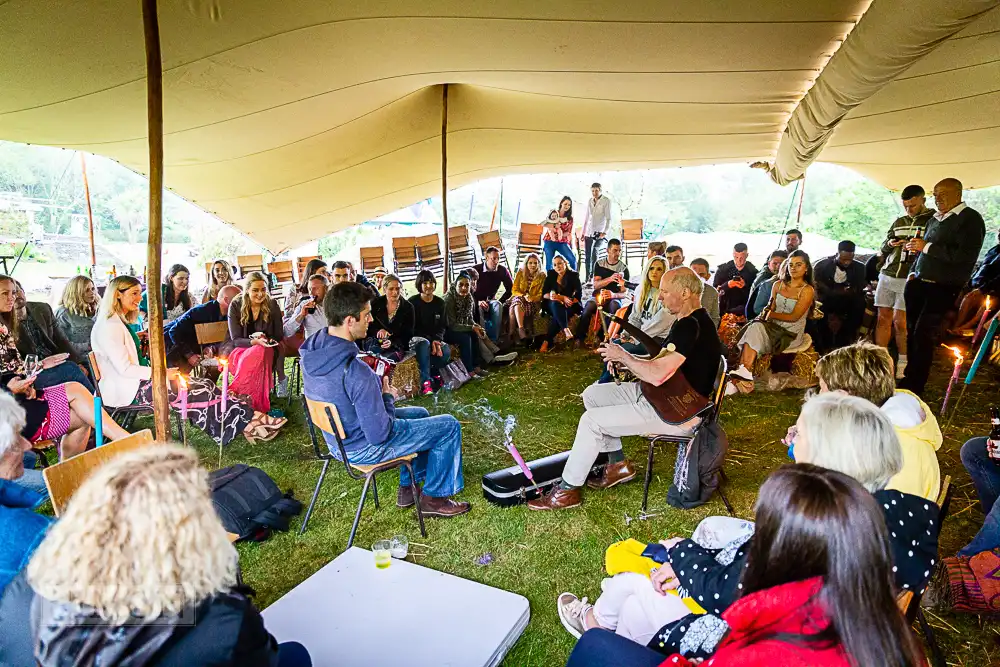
944,499
320,419
632,229
429,247
458,238
248,263
487,239
96,371
282,270
404,248
300,266
64,478
211,332
529,234
208,272
372,258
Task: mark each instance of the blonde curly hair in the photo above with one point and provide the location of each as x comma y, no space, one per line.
140,538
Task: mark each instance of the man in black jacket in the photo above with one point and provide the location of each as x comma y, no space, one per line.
840,287
38,334
733,280
181,335
948,253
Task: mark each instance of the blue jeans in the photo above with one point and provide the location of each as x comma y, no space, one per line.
603,648
550,248
293,654
67,371
985,474
34,480
591,249
468,347
491,319
560,318
438,443
425,360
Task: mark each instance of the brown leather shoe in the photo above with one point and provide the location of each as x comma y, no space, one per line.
545,347
404,497
614,473
442,507
557,499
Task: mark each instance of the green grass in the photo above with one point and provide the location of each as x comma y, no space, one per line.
540,555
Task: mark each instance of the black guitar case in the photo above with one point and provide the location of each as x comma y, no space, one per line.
510,487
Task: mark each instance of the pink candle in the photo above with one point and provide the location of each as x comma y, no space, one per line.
224,365
982,321
954,376
183,391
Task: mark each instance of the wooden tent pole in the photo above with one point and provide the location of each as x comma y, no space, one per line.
802,198
444,184
90,211
154,116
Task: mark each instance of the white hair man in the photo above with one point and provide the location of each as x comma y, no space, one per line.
692,349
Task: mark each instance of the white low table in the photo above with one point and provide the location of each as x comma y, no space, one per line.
350,613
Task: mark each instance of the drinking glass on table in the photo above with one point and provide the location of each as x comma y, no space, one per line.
383,554
399,546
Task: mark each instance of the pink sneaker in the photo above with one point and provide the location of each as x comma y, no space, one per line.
427,389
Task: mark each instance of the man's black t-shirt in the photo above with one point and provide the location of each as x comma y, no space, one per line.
696,337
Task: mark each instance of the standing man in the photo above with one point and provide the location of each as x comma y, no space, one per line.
898,264
675,257
793,239
733,280
595,227
948,253
491,276
840,287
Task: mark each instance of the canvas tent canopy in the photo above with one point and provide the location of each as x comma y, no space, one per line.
294,119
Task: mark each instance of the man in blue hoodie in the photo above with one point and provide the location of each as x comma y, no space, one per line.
376,429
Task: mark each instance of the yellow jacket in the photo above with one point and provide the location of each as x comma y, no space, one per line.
532,292
921,474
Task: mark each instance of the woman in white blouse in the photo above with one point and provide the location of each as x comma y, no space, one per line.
126,376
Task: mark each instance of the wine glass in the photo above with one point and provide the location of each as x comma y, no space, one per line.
32,365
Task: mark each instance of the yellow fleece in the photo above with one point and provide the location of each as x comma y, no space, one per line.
921,474
626,556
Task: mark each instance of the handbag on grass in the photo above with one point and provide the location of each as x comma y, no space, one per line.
454,375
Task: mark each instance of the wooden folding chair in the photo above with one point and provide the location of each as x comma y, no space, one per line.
372,258
429,253
708,416
529,240
632,241
211,333
300,266
405,258
248,263
126,414
64,478
460,253
324,416
492,239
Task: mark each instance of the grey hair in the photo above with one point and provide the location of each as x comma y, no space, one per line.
683,277
12,420
850,435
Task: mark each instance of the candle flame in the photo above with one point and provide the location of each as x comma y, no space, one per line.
987,304
223,361
957,352
183,382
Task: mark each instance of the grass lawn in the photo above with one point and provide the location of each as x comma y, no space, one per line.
540,555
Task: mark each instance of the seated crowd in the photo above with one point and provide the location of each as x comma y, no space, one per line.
840,534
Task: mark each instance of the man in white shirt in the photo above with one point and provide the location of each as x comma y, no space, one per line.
595,227
309,315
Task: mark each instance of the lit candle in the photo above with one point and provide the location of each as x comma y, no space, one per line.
98,422
224,365
183,391
954,376
982,321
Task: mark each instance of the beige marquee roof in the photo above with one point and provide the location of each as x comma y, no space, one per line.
291,119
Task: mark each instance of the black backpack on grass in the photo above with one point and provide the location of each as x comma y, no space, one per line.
249,503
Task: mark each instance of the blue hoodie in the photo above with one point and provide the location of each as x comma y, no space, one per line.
366,413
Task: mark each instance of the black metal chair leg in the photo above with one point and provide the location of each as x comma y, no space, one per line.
649,475
937,657
312,503
723,480
375,490
416,497
357,515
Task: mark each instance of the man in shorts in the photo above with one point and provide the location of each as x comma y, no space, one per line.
897,266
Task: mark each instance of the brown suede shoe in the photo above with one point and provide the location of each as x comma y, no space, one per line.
557,499
442,507
404,497
614,473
